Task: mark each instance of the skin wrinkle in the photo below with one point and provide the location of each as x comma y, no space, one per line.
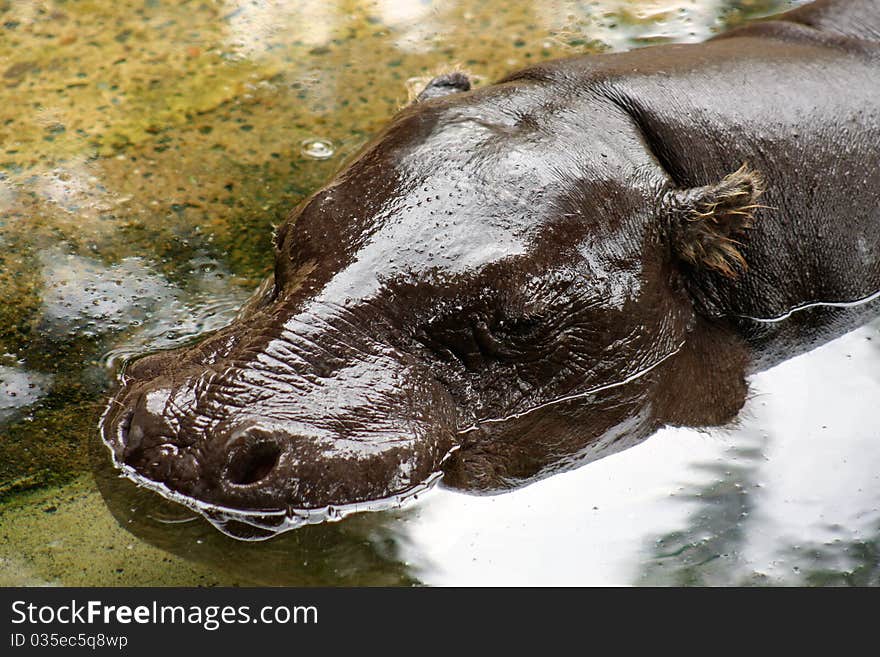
300,357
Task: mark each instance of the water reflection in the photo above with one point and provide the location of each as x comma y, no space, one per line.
156,144
19,389
798,502
83,297
707,551
254,28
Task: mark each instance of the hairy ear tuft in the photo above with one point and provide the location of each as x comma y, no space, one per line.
708,223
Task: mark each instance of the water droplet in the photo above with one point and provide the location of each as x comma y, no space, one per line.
318,149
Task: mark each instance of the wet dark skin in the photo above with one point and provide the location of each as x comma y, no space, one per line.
513,281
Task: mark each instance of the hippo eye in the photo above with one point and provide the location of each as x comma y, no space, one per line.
477,339
487,339
451,339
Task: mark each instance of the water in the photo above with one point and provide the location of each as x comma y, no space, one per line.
317,149
146,151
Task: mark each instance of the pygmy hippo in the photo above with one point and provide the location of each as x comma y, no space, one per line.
516,280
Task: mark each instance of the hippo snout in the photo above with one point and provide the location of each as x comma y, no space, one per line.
220,441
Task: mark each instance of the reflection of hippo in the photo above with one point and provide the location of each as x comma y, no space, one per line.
513,281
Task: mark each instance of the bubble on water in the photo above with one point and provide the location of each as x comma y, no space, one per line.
318,149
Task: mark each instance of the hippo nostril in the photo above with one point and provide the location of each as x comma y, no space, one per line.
252,463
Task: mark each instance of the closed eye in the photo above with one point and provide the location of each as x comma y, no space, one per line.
475,339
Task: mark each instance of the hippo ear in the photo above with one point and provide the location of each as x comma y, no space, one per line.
443,85
707,224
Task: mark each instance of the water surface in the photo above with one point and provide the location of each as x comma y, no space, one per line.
146,151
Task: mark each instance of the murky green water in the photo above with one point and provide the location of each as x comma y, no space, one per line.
147,149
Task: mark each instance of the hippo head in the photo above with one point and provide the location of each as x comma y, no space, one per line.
495,287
